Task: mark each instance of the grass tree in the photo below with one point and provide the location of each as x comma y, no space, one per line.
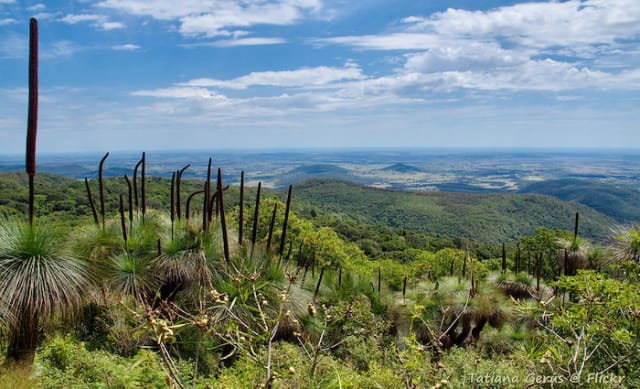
624,247
625,243
456,311
573,254
39,281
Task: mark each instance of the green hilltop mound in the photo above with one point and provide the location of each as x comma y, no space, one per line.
402,168
319,169
491,218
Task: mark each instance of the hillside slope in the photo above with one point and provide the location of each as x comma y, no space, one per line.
66,198
491,218
619,202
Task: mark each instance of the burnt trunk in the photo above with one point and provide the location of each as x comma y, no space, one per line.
101,185
256,216
283,238
178,191
241,214
91,203
143,178
23,339
223,220
272,225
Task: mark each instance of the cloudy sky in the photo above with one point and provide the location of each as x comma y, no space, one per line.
221,74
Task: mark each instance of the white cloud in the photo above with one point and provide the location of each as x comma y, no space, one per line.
305,77
216,18
112,26
37,7
79,18
59,49
541,24
393,41
182,93
99,21
255,41
569,98
534,25
465,56
4,22
7,1
126,47
13,47
46,15
546,46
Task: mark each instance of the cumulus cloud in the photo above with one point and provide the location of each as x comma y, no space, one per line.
7,21
305,77
540,24
98,21
79,18
465,56
527,46
534,25
217,18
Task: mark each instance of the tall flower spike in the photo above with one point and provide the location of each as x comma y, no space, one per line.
101,185
32,119
283,238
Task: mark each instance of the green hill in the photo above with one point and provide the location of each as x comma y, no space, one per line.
66,198
618,201
402,168
491,218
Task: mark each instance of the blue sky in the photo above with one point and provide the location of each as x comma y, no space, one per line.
194,74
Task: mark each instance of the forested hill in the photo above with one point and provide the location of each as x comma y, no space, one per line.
491,218
618,201
66,198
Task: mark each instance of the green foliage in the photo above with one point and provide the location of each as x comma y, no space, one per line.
65,363
593,327
358,334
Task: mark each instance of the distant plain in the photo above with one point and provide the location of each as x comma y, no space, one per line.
450,170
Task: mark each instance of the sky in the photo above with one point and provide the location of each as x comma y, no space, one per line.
254,74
